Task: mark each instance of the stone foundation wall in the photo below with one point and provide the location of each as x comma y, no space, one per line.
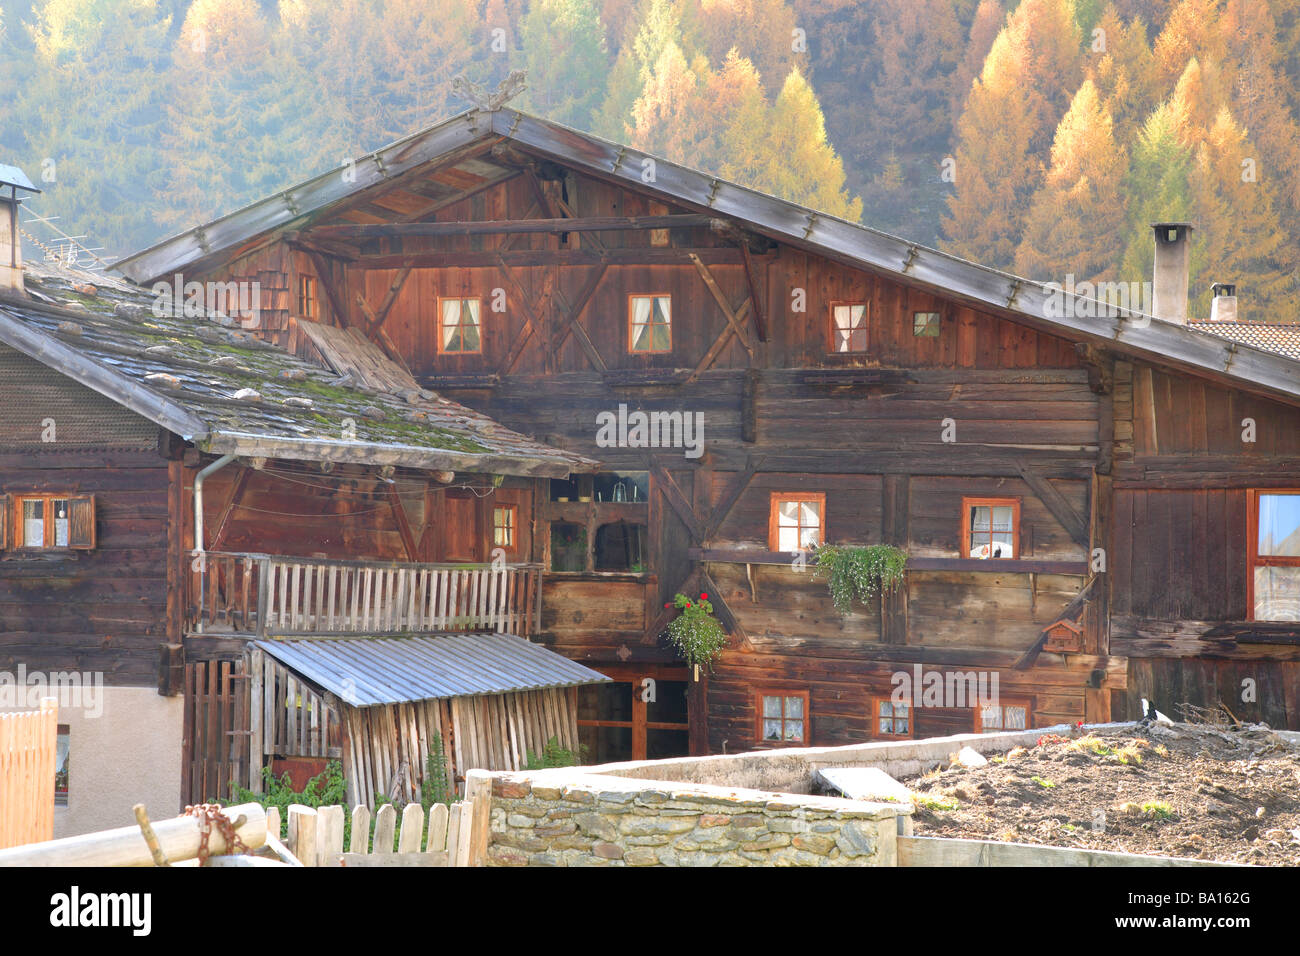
573,818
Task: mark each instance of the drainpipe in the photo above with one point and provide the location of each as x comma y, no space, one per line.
221,462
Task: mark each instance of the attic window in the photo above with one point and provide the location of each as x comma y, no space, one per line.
925,325
459,331
990,527
650,324
53,522
849,326
307,296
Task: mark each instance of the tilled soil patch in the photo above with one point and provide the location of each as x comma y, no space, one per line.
1186,790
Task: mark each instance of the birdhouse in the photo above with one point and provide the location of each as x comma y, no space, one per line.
1063,637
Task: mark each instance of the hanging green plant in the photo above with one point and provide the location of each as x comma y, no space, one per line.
859,571
696,633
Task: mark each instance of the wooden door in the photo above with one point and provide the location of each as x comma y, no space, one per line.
462,531
214,745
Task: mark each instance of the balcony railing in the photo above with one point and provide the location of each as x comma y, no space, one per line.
264,594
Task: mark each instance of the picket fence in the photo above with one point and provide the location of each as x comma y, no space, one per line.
456,835
27,752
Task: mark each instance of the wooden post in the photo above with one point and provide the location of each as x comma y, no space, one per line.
360,830
255,750
329,834
178,839
478,793
408,840
302,834
437,828
454,814
385,824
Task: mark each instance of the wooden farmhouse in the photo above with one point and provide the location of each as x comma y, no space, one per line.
1097,505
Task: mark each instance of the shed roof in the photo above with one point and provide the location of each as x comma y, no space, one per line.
189,375
1038,304
374,671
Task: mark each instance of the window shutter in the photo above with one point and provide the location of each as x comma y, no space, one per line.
81,522
5,506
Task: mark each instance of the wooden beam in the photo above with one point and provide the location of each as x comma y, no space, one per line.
492,227
676,498
571,321
760,321
725,616
532,321
325,276
381,315
1061,509
718,345
426,259
990,566
236,496
1073,612
895,493
403,525
729,499
723,304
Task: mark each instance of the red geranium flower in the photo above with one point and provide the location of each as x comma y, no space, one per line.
704,597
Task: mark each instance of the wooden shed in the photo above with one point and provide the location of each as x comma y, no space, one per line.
379,703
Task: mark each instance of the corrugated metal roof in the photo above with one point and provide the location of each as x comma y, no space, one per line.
373,671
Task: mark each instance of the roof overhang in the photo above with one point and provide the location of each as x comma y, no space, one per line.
1037,304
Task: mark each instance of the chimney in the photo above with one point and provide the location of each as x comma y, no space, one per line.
1172,270
11,252
1224,306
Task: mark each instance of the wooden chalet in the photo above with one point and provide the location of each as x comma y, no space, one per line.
1081,513
1087,514
173,489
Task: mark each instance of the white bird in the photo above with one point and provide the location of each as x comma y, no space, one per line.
1149,712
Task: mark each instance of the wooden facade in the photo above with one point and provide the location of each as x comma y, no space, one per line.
1097,451
903,403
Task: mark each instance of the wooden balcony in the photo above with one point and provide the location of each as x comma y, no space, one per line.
261,594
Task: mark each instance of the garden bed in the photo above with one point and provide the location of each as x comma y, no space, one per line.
1203,792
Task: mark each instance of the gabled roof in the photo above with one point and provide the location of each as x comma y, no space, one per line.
373,671
1034,303
1282,338
193,376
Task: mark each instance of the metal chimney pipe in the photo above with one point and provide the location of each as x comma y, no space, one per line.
1172,270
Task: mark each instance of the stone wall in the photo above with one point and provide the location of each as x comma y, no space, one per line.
570,817
791,769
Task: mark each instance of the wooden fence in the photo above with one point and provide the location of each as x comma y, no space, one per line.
214,731
28,740
259,593
455,836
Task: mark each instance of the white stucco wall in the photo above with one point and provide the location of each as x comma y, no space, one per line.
124,749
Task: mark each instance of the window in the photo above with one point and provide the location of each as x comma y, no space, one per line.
795,521
849,327
61,747
568,546
307,296
1274,578
925,325
620,546
990,527
51,522
650,324
783,717
459,331
1004,715
505,519
892,719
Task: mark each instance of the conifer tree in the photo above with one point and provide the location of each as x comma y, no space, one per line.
1079,209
